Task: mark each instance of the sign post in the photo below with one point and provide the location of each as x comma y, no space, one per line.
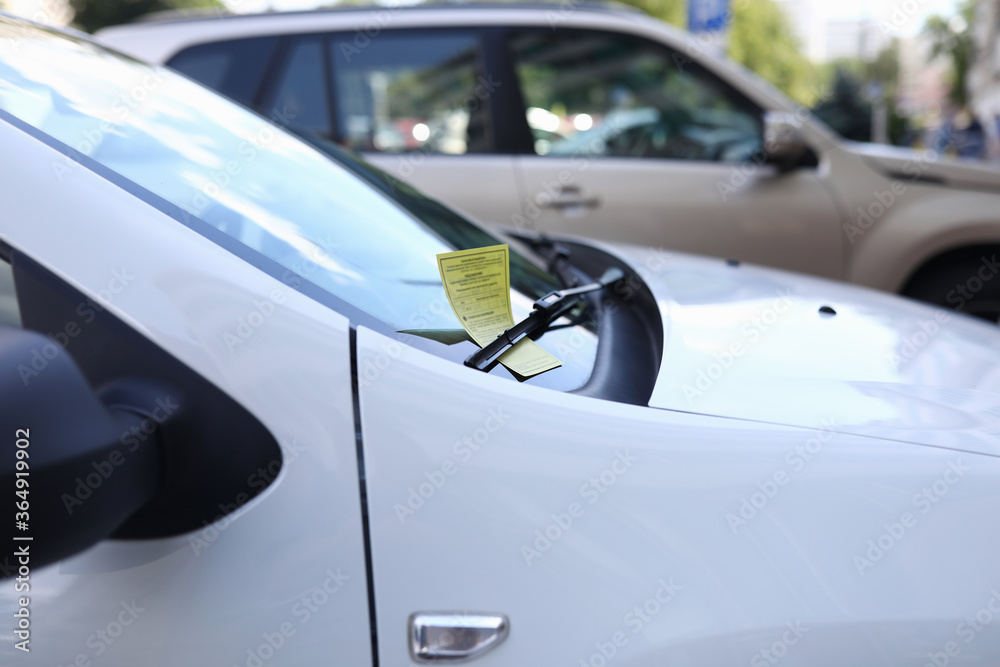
709,21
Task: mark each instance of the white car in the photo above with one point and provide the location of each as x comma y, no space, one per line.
219,447
603,122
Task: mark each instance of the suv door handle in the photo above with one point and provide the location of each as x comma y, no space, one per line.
566,198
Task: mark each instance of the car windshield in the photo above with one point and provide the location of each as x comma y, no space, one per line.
230,168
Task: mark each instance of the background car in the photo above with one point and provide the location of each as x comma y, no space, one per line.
603,122
237,455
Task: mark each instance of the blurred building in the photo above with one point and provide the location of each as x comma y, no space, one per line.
984,74
810,26
862,38
923,84
824,39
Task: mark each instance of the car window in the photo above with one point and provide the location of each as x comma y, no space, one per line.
301,97
597,93
223,165
236,67
411,91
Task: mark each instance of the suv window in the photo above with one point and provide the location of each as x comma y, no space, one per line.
301,98
597,93
411,91
236,68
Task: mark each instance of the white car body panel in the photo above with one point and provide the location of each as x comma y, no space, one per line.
664,521
207,597
881,366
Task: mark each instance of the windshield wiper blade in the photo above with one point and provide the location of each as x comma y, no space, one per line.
546,310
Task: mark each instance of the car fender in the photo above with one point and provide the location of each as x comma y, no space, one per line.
923,222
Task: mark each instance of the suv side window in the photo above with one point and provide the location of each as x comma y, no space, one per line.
597,93
234,68
300,97
409,91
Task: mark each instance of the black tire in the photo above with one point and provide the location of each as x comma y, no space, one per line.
967,281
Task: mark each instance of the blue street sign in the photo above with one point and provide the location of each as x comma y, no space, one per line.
708,15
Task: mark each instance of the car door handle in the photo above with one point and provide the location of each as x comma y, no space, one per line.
452,637
566,198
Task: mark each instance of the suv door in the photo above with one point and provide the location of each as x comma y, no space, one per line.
634,143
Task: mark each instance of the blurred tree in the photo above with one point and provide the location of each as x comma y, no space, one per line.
885,69
91,15
845,109
851,85
671,11
952,37
760,38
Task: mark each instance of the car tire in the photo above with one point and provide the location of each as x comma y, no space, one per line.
966,280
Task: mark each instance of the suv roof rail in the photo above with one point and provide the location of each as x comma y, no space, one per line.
204,14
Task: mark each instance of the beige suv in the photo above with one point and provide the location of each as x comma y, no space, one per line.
603,122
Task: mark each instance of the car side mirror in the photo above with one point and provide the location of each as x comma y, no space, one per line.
63,462
783,142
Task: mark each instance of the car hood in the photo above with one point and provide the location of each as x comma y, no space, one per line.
928,165
766,345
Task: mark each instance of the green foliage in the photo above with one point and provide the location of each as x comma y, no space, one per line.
952,38
845,109
884,70
762,39
670,11
91,15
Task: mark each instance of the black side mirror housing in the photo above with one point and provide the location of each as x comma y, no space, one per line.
66,473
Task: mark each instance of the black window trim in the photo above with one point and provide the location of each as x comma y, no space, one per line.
265,105
269,77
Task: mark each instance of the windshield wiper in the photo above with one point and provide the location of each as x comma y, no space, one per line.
556,257
547,309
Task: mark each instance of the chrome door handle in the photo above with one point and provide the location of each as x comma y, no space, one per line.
454,637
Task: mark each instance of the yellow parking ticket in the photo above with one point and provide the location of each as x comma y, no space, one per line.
477,283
